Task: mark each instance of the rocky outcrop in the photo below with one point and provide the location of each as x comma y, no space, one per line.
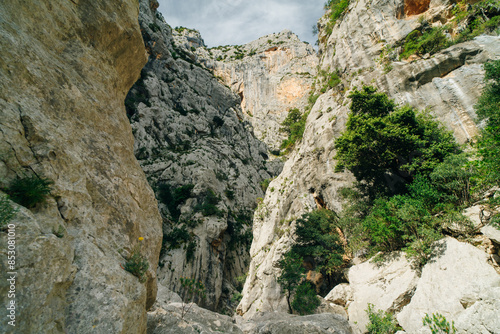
66,68
201,158
359,50
458,279
388,285
271,75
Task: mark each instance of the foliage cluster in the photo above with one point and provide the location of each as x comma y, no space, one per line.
172,198
488,109
438,324
28,191
337,9
383,142
294,126
318,241
239,229
137,264
412,180
208,206
192,290
318,244
381,322
7,211
305,301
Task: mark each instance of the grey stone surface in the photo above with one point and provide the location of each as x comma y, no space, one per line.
447,83
389,286
66,69
450,285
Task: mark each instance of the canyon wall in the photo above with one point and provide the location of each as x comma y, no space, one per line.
66,67
447,84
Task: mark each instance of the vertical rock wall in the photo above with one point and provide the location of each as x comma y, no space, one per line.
66,67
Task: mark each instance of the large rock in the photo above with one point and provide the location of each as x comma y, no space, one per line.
458,284
66,67
179,318
282,323
388,285
341,294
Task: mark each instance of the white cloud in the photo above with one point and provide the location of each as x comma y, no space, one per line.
238,22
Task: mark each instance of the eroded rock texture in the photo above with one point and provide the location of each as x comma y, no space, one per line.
66,67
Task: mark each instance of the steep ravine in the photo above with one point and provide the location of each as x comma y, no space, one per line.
202,159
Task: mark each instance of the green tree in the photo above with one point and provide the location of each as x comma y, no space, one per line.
318,240
385,147
306,300
488,109
292,273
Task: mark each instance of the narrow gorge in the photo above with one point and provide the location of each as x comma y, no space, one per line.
170,172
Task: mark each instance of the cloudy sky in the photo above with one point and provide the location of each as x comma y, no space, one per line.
223,22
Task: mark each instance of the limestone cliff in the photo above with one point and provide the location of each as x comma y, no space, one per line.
271,75
202,159
358,49
66,67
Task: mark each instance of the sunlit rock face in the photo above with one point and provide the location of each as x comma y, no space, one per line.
66,67
274,75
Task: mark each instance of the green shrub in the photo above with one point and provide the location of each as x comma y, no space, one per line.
381,322
430,42
265,184
7,211
292,272
305,300
208,207
293,125
29,190
338,8
175,238
192,290
137,264
317,238
173,198
438,324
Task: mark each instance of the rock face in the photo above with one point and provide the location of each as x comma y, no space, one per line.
271,75
458,280
388,286
448,84
200,157
66,68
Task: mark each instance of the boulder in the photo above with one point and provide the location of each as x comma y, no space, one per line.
450,285
388,285
340,294
282,323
